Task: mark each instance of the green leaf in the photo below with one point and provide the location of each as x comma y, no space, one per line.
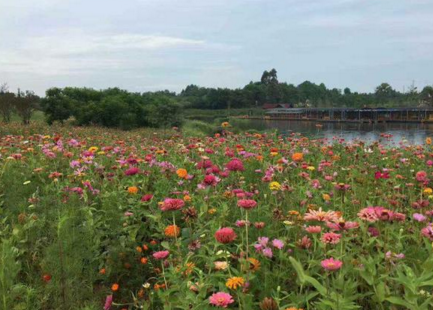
299,269
399,301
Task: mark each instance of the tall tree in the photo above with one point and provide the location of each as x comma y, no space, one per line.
25,104
6,103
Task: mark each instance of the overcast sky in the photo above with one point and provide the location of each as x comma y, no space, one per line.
143,45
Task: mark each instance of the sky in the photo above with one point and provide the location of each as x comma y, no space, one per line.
147,45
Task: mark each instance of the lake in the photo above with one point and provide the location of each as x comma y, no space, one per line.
386,133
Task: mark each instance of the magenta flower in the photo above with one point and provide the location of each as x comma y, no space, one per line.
132,171
108,302
161,255
247,204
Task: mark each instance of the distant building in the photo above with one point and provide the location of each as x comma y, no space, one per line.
268,106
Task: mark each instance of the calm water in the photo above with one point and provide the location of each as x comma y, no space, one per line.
399,133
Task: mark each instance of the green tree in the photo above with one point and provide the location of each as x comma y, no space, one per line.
6,103
57,105
25,103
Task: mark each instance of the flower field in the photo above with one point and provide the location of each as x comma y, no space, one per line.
105,219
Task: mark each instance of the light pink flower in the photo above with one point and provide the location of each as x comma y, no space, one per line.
221,299
331,264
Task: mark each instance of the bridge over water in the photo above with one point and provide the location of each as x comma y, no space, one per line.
352,114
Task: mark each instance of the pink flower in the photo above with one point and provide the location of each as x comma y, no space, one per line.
225,235
427,232
267,252
235,165
331,238
331,264
342,225
161,255
313,229
108,302
247,204
419,217
221,299
171,204
368,214
421,176
276,243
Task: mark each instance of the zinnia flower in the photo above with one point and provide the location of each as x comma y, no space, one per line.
172,204
235,165
247,204
132,171
297,157
221,299
331,264
225,235
234,282
172,231
182,173
331,238
161,255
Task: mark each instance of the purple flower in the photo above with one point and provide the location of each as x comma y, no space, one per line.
419,217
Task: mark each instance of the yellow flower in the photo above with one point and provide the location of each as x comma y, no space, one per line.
311,168
428,191
235,282
212,211
93,149
225,124
254,264
428,140
274,186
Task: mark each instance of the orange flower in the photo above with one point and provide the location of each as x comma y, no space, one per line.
144,260
133,190
186,198
102,271
115,287
172,231
145,247
139,249
182,173
297,157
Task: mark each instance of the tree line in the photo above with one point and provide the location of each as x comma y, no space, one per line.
115,107
306,94
21,103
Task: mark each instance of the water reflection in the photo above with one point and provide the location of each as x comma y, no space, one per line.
398,132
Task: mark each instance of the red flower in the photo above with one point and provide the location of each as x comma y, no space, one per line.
225,235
